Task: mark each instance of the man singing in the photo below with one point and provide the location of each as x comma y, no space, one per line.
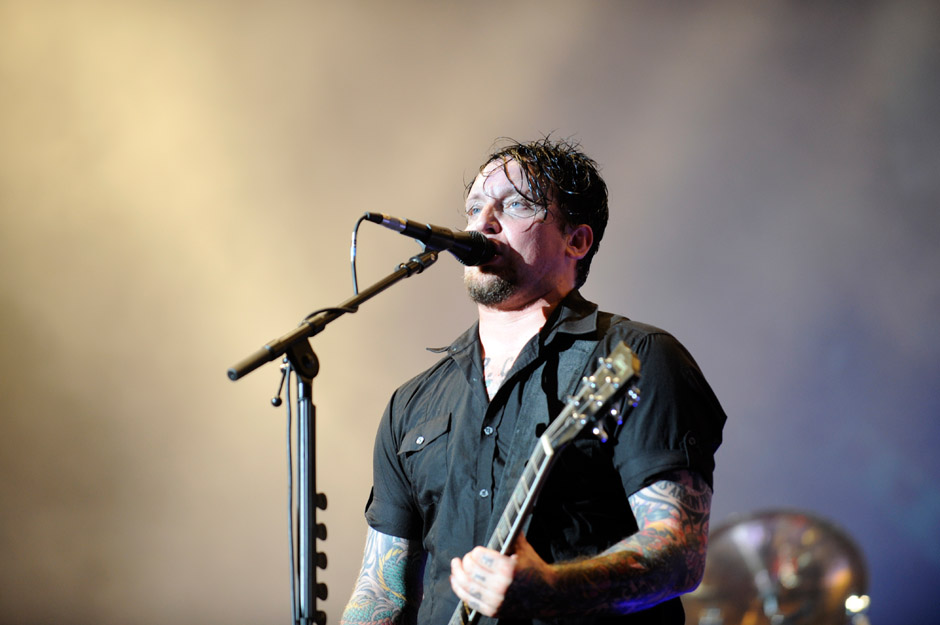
620,528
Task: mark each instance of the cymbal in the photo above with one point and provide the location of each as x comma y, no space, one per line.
777,567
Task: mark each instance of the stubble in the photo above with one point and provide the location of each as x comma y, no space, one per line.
488,289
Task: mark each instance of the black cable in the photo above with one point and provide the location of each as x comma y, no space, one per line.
352,255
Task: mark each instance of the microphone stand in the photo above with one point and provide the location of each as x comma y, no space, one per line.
295,346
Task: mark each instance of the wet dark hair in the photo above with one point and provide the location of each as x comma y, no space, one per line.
557,171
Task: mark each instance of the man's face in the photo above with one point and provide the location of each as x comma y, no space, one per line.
533,259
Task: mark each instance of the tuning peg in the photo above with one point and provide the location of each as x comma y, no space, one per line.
615,414
634,394
321,531
600,433
321,501
321,560
320,618
321,591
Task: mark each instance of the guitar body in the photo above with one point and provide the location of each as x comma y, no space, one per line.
590,407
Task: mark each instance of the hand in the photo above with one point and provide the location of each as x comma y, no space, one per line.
483,577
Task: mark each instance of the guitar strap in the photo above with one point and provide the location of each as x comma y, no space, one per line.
562,369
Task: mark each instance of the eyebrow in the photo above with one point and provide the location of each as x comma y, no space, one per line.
515,193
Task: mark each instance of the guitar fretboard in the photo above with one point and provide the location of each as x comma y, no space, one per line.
523,497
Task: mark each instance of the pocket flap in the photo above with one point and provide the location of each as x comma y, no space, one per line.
418,437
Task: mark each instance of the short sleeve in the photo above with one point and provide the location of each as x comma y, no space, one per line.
678,421
390,507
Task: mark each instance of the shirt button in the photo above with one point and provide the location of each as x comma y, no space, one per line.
484,493
488,431
419,440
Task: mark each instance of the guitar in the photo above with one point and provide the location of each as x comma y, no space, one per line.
614,377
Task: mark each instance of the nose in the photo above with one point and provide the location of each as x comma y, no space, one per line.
486,221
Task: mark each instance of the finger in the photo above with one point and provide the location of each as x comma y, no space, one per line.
460,573
492,564
475,596
466,575
477,585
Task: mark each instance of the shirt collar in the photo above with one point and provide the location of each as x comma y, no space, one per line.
574,315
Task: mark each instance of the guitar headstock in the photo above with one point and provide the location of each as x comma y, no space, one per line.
593,405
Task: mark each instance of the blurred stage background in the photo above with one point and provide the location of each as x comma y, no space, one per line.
179,180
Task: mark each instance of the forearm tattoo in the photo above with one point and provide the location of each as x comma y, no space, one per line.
388,581
665,558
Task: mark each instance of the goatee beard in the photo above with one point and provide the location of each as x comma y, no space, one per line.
490,291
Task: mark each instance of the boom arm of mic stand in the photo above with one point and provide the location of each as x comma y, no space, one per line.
314,325
304,362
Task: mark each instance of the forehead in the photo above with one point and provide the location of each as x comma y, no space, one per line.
499,177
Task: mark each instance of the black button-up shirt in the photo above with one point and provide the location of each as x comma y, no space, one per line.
447,458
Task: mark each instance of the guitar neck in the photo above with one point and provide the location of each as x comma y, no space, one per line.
514,514
523,496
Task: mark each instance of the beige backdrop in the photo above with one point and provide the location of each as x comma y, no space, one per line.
178,184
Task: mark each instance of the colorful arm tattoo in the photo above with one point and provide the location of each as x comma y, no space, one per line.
389,586
665,558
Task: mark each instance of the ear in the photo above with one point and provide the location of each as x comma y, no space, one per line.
580,240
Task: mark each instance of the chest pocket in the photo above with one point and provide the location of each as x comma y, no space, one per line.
423,453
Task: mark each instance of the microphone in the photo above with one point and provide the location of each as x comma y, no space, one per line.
470,248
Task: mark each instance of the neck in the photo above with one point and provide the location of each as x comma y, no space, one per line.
503,333
505,330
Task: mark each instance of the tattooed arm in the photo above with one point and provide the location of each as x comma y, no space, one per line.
389,586
665,558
